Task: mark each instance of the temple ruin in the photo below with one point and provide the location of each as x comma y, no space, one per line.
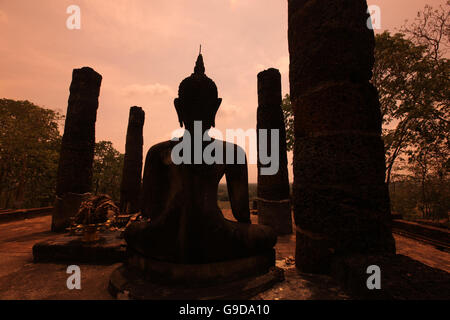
274,205
77,148
130,188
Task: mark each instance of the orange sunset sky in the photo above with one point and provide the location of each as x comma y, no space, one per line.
144,48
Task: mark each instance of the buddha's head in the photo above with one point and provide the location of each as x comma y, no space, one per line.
197,99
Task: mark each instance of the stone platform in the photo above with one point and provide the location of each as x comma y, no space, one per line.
71,249
22,279
148,279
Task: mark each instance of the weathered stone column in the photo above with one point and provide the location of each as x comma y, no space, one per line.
130,188
341,202
77,148
274,206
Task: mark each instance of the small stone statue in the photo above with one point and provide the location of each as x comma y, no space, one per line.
96,209
185,224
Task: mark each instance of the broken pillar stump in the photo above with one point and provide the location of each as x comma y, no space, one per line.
274,206
130,188
78,142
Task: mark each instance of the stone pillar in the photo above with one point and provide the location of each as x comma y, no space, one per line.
77,148
274,206
130,188
341,202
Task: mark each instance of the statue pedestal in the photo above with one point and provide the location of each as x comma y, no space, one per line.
147,279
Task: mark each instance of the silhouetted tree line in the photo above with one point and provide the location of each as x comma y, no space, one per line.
30,141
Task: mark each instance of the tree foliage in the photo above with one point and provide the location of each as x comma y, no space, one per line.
288,114
107,171
431,29
414,96
412,75
30,142
29,153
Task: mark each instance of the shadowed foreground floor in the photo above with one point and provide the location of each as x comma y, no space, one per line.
20,278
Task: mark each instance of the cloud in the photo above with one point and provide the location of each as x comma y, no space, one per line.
147,90
228,111
282,64
3,17
235,3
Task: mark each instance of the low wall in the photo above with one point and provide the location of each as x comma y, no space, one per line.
439,235
11,215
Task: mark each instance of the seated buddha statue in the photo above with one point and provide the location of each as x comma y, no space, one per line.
184,224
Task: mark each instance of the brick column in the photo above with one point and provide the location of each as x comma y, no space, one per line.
78,144
341,202
130,188
274,206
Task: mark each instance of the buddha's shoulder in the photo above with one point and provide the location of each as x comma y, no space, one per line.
164,148
161,148
229,146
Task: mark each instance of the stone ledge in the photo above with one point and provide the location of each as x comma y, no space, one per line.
11,215
440,236
70,249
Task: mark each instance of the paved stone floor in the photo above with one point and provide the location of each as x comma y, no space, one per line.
20,278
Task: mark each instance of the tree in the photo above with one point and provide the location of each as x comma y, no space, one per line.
288,114
29,152
107,171
30,143
428,156
414,95
431,29
430,168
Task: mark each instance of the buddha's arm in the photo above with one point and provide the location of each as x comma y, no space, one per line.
237,184
155,183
